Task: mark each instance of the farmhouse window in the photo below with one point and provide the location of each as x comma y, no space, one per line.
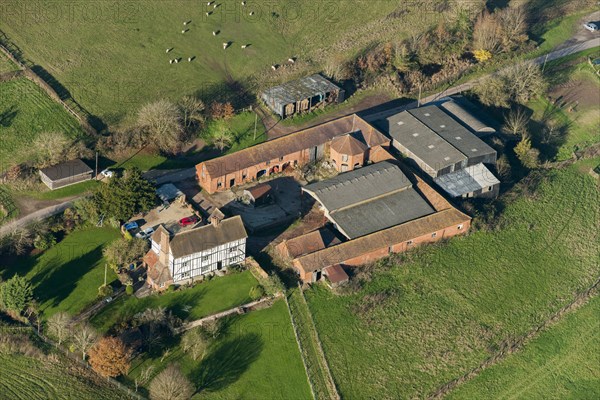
409,243
280,158
185,264
344,157
205,258
232,249
219,184
459,227
434,234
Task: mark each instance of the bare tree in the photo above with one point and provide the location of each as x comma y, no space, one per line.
196,342
486,32
524,81
59,326
163,125
84,337
192,109
513,22
515,122
171,384
144,376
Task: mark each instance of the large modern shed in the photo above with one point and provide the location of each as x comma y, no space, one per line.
302,95
66,173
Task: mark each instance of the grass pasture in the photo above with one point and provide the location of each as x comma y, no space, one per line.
256,357
25,112
67,276
27,378
204,299
112,59
421,321
562,362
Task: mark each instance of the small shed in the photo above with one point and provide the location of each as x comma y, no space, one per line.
335,275
168,192
302,95
259,195
65,174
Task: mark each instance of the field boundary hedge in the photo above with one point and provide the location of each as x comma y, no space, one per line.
15,55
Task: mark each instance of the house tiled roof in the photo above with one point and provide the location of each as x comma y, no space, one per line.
67,169
380,240
336,274
208,237
289,144
311,242
349,145
259,191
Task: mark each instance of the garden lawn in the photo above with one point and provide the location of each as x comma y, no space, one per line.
28,378
429,316
25,112
562,362
67,276
67,191
206,298
256,357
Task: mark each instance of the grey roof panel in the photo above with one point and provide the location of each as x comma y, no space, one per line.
467,180
382,213
208,237
300,89
66,169
451,131
359,185
420,140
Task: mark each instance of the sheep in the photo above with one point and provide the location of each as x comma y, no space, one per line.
243,3
185,23
215,6
274,67
170,61
251,13
244,46
169,50
189,59
208,13
291,60
225,45
215,33
209,3
184,31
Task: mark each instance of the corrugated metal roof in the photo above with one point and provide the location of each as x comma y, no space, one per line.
359,185
420,140
451,131
299,89
468,180
463,112
66,169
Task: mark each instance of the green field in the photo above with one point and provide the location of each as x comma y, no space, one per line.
428,317
113,59
67,276
255,358
206,298
27,378
26,111
562,363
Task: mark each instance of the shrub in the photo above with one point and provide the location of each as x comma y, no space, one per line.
16,294
129,290
172,288
105,291
44,241
257,292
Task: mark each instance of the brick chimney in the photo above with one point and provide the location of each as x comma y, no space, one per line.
216,217
164,240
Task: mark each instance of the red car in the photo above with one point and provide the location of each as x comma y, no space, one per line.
187,221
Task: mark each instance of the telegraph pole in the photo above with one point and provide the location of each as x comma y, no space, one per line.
255,122
96,164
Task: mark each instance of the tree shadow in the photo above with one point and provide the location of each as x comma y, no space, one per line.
8,116
57,283
226,364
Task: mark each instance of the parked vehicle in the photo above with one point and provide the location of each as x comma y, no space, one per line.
130,226
591,26
187,221
145,234
108,173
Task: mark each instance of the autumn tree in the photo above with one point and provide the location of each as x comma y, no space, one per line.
16,294
110,357
171,384
59,326
84,337
162,123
